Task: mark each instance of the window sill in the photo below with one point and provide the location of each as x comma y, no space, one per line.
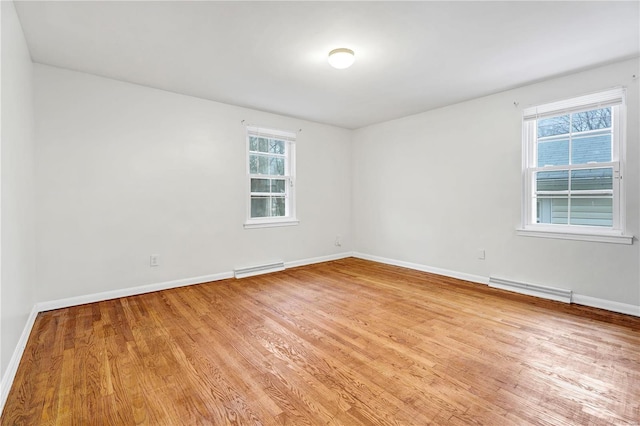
270,224
566,235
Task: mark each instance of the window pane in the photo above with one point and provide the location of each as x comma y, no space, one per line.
592,211
553,126
263,145
260,207
591,148
276,166
591,120
259,185
263,165
266,165
553,152
278,186
552,210
253,164
276,146
253,143
592,179
552,181
278,206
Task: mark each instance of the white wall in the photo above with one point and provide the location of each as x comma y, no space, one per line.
434,188
125,171
17,189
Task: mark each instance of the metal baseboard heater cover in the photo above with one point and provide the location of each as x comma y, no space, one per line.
257,270
558,294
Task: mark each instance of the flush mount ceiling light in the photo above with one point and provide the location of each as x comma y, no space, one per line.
341,58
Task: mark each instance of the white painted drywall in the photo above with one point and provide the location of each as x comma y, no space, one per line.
17,176
434,188
125,171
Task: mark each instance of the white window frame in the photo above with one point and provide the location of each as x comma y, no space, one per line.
289,219
614,98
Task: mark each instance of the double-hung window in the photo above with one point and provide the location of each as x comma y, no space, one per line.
271,178
573,168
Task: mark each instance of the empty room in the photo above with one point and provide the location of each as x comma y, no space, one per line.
320,213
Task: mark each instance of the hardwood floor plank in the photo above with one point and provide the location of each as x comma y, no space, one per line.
347,342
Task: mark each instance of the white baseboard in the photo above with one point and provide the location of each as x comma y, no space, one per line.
424,268
14,362
622,308
131,291
578,299
320,259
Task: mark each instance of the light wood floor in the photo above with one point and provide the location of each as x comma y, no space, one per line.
348,342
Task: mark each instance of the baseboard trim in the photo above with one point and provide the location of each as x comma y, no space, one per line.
609,305
319,259
133,291
424,268
14,362
578,299
130,291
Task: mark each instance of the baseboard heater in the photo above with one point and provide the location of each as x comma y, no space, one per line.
558,294
257,270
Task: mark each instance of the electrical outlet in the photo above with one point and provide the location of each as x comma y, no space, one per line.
481,254
338,241
154,260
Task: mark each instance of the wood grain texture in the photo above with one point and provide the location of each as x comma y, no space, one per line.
349,342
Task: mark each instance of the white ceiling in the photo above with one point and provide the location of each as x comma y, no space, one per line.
271,56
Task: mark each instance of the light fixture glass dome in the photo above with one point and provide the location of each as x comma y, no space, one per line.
341,58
